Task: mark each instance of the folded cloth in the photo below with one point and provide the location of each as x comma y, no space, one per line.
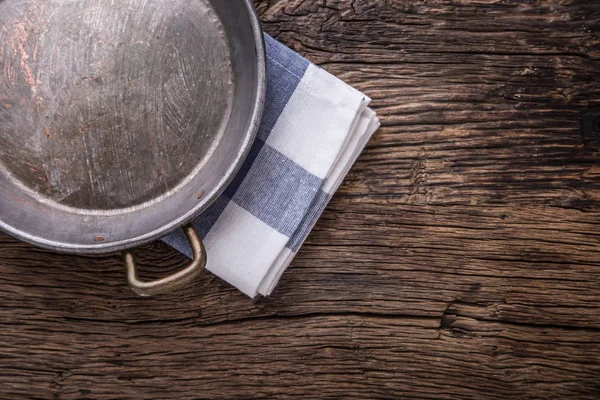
313,128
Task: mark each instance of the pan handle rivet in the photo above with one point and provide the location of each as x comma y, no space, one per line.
99,238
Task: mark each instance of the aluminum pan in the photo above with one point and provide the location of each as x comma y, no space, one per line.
121,122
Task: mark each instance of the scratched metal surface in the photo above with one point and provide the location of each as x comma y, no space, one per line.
115,116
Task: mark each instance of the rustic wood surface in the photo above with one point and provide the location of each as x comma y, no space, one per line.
461,258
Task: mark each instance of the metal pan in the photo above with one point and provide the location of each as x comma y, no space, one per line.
122,120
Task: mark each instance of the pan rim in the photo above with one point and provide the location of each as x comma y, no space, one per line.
209,198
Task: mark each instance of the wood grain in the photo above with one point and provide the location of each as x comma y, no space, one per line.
459,260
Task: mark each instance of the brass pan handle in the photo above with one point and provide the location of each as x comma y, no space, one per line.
171,282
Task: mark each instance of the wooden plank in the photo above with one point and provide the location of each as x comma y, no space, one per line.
459,259
328,356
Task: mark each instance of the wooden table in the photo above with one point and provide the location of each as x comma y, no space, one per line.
461,258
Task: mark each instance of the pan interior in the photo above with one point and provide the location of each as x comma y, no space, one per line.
121,120
106,104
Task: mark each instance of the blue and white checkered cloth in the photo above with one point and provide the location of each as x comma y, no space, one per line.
314,126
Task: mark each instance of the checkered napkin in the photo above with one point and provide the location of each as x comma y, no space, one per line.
313,128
